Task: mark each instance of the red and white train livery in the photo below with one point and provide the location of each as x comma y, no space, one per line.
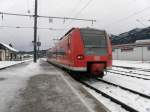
83,50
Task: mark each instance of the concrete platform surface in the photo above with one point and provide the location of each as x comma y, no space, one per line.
51,90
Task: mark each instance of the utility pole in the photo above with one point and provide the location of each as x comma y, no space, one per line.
35,31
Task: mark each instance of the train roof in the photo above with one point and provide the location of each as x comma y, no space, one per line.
69,31
87,28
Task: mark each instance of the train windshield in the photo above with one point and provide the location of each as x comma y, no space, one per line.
94,41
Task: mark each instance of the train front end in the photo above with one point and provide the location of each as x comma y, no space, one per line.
97,52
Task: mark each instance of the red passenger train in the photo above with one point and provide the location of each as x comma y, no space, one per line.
83,50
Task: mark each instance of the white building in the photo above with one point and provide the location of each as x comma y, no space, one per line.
139,51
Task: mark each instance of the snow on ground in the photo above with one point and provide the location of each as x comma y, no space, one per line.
136,84
12,81
4,64
139,103
133,71
133,83
134,64
139,85
112,107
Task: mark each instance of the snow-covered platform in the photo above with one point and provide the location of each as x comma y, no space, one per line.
6,64
40,87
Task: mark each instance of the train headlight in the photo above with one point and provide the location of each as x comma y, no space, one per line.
80,57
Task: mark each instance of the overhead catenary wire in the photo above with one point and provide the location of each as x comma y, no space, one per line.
127,17
53,17
14,14
36,16
140,22
24,27
83,8
75,6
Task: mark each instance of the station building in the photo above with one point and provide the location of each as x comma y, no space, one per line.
7,52
138,51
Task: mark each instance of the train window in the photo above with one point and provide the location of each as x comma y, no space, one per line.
94,41
51,54
93,38
61,52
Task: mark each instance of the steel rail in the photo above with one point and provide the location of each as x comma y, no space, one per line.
131,72
135,92
139,69
127,107
128,75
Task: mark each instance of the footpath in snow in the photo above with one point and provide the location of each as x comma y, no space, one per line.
132,64
12,80
39,87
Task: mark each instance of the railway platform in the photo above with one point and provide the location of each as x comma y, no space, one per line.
52,90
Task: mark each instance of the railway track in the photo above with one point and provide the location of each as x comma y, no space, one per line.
116,99
132,73
133,91
123,105
133,68
125,74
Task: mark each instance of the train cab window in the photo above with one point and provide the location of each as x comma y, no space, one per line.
94,41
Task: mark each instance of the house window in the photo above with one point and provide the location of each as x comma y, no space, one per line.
126,49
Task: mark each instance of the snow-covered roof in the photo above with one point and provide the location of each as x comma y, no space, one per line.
9,47
140,41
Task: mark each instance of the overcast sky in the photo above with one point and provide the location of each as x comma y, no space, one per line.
115,16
